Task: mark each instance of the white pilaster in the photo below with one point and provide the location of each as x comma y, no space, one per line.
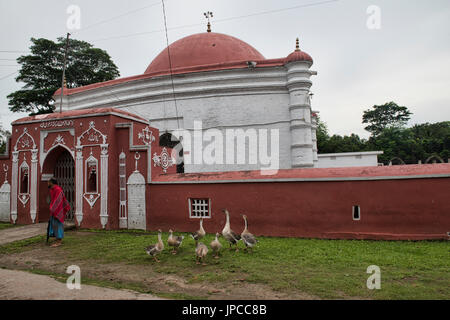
123,223
14,181
79,185
298,84
104,185
33,187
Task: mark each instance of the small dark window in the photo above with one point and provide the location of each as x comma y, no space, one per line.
24,179
356,213
91,176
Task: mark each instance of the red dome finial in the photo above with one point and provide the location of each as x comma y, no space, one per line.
298,55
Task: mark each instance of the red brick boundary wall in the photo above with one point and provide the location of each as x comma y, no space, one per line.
408,202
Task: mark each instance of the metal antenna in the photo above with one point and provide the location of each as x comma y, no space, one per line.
64,71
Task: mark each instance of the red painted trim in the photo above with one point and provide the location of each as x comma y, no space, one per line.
76,113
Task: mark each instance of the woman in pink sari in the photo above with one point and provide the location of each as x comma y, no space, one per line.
59,206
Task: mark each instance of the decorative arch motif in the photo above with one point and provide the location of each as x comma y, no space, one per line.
93,135
25,141
59,140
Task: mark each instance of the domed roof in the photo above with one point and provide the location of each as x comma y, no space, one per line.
201,49
298,55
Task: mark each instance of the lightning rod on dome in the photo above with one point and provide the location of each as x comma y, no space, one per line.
208,15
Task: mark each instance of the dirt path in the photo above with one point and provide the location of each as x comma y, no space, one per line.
20,233
143,278
27,286
167,285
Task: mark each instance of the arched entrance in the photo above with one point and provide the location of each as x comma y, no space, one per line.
65,175
59,164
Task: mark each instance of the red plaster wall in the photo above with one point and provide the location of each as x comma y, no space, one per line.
390,209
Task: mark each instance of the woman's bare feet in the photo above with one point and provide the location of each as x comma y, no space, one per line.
57,243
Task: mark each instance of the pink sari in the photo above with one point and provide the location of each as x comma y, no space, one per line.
59,205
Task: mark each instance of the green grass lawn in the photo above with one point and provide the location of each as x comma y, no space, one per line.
5,225
324,268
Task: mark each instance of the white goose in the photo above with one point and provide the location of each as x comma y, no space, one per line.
197,235
201,251
216,246
154,249
174,241
229,234
248,239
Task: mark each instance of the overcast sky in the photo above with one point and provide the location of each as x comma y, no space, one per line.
407,60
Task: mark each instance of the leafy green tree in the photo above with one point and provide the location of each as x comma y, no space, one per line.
388,115
321,134
395,143
41,71
337,143
413,144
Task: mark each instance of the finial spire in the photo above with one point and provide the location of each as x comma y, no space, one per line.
208,15
297,45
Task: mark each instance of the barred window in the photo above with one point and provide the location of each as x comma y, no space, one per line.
199,208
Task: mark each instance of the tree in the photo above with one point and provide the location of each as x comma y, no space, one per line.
41,71
337,144
321,134
4,134
419,142
388,115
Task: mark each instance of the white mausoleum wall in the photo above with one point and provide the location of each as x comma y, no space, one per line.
246,99
348,159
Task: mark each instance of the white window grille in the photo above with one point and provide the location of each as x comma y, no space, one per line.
199,208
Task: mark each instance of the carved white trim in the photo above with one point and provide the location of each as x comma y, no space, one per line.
5,168
164,160
14,182
136,201
79,185
146,136
26,143
123,223
58,140
24,197
93,135
104,185
43,135
90,159
5,202
33,185
91,198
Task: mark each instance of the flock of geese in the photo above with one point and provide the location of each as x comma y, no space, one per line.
201,250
